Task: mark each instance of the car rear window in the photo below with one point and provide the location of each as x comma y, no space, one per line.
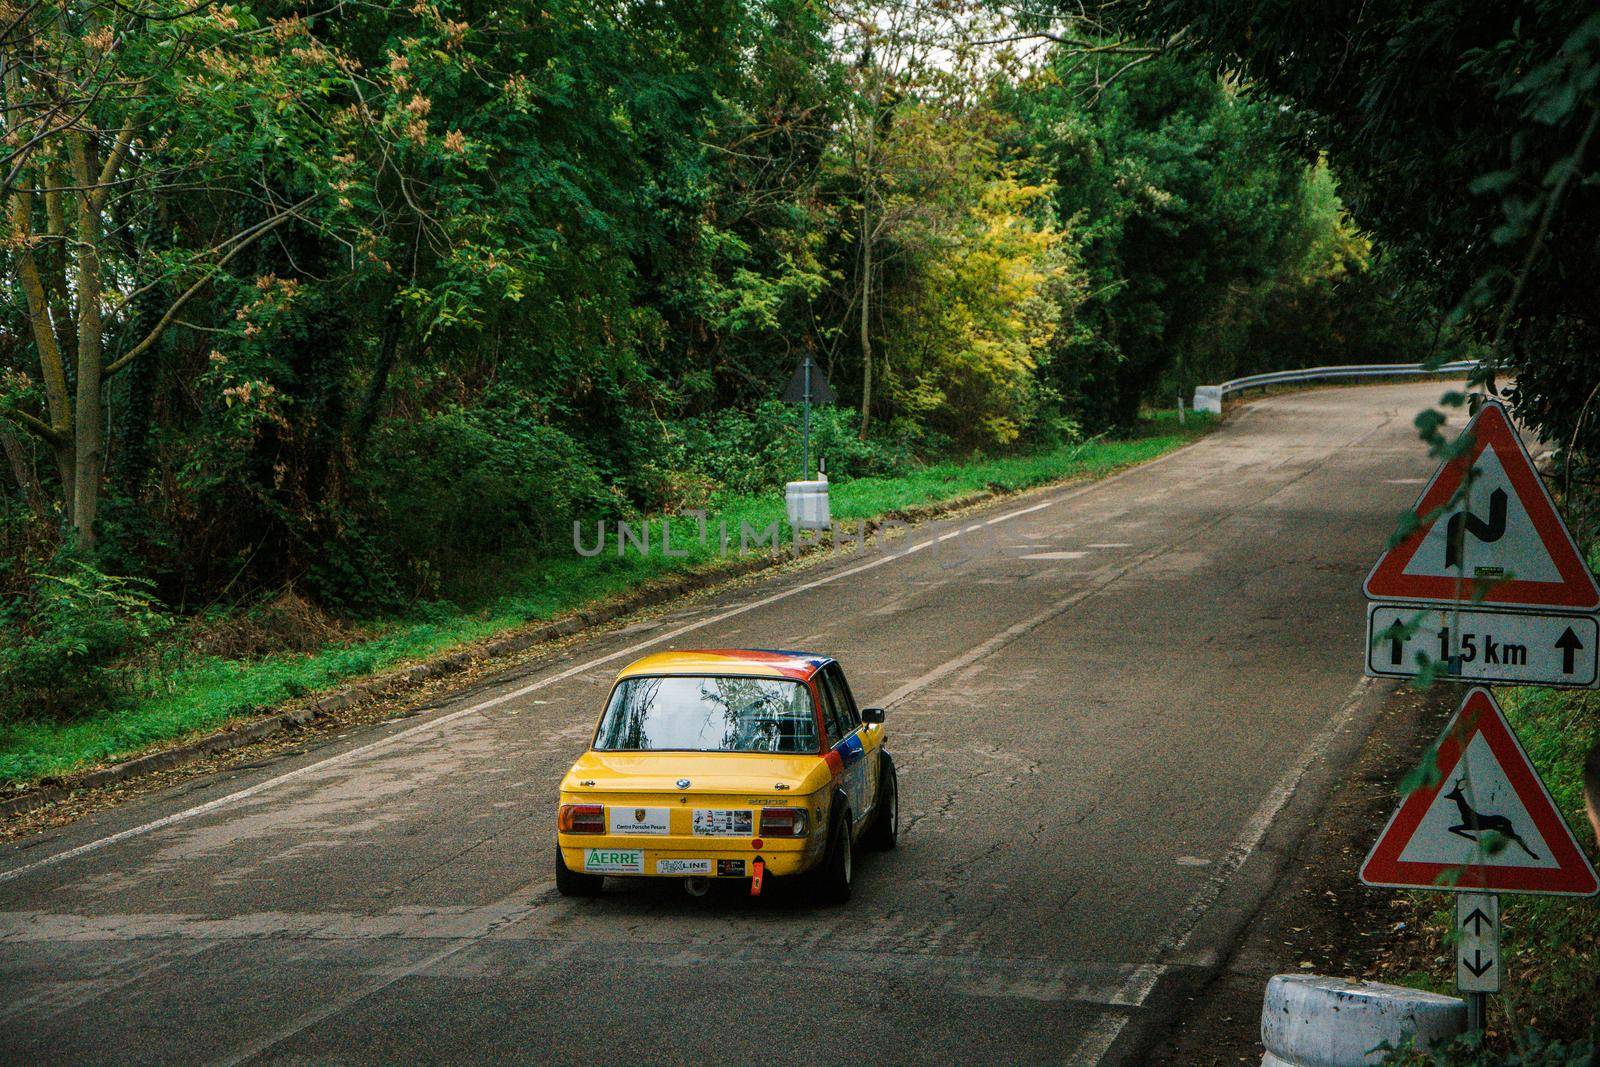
708,714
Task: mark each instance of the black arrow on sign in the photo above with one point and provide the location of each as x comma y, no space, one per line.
1395,635
1477,966
1476,921
1569,645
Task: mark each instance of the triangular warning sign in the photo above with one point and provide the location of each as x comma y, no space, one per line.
795,391
1488,823
1505,540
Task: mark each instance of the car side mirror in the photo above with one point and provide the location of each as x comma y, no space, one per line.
872,716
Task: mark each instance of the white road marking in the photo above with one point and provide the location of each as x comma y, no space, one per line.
1098,1041
1016,630
1136,989
1111,544
532,687
1267,811
383,979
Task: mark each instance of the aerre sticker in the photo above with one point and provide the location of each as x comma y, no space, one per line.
626,820
683,866
714,823
614,860
730,868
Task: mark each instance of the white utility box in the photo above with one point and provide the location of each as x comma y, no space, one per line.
807,504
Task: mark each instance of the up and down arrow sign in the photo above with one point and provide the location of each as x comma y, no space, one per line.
1478,943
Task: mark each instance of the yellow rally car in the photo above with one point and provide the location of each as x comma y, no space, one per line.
728,763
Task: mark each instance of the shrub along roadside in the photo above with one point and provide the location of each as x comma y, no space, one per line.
1551,944
179,698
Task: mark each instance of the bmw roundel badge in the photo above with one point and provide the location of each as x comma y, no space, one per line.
683,783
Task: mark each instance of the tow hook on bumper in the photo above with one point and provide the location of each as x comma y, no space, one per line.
759,869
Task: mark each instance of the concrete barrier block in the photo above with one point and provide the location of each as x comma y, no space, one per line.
1309,1020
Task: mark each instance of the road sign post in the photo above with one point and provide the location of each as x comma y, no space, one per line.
1489,583
1478,968
808,385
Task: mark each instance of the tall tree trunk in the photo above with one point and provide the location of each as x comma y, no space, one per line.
90,412
22,469
52,368
866,311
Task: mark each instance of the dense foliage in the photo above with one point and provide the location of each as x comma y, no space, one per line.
1464,138
352,301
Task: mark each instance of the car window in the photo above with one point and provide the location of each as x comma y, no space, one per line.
838,723
708,714
842,694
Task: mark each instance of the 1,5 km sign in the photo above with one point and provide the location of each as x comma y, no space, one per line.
1519,648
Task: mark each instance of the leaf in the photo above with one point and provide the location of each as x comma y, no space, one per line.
1494,182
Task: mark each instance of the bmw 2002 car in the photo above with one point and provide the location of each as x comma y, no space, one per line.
728,764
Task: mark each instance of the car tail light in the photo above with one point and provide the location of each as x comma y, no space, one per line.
783,822
581,819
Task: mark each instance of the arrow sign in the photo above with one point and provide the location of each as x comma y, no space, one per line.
1487,823
1503,545
1478,943
1570,646
1396,636
1515,647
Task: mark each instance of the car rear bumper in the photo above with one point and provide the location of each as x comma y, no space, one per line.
720,859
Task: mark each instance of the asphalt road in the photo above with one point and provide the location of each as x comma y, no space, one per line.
1112,707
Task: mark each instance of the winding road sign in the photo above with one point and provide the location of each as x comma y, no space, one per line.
1487,823
1504,545
1513,647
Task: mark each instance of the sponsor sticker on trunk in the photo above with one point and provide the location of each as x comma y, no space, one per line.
614,860
730,868
626,820
683,866
724,823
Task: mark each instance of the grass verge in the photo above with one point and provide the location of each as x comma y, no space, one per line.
189,695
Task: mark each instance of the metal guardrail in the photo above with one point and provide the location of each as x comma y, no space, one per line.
1209,397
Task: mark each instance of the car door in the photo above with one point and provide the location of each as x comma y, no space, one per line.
857,747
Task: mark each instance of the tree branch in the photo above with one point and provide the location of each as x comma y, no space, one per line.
244,239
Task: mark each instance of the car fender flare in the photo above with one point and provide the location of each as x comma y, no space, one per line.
838,802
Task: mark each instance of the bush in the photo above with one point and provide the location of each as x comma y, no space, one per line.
63,636
1532,1050
449,488
749,452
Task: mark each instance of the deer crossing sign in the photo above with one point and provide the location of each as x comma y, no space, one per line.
1485,824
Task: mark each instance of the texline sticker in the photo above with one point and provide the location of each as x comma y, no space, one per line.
614,860
715,823
683,866
625,820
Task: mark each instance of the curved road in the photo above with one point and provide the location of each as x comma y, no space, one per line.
1112,705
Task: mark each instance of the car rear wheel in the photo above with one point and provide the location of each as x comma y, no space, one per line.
885,828
831,879
571,883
